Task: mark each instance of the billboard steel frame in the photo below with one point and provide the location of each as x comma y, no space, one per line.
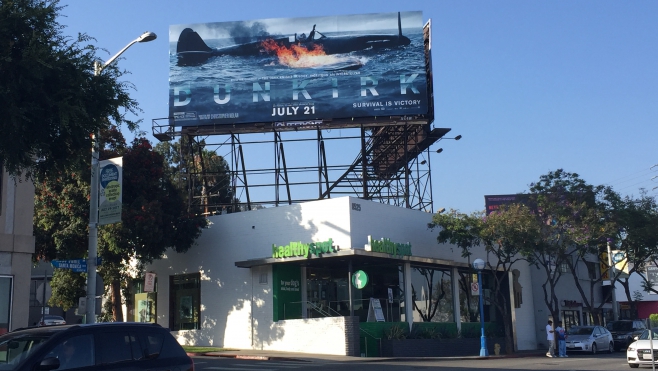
392,166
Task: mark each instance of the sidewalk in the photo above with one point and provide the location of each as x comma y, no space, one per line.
272,355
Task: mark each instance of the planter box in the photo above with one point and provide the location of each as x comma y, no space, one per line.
438,347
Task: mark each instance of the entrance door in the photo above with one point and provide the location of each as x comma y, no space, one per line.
570,318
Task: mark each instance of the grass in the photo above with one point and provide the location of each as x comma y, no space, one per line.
191,349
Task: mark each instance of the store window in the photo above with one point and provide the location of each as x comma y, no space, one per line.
591,270
5,303
328,291
432,294
185,302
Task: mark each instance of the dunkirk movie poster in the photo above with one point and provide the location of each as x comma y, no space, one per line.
297,69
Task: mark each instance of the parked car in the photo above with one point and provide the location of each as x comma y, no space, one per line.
623,331
639,352
589,339
106,346
49,320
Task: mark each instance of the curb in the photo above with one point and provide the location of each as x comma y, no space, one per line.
246,356
367,359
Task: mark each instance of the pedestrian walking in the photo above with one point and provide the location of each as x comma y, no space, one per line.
561,340
550,337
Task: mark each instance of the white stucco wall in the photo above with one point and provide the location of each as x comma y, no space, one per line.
236,309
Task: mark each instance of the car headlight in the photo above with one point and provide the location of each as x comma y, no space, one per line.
631,348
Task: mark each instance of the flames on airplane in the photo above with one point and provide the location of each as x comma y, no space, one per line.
299,56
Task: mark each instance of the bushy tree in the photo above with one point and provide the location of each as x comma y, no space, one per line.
635,224
51,100
573,226
506,235
204,175
154,218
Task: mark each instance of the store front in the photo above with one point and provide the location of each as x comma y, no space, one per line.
316,273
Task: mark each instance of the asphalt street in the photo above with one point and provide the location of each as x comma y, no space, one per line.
615,361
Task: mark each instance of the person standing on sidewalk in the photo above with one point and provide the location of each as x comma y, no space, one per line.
550,337
561,340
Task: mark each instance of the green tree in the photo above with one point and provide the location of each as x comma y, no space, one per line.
572,224
506,235
154,218
636,222
204,175
51,100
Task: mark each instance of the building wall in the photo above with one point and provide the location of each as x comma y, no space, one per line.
565,290
232,298
17,242
237,308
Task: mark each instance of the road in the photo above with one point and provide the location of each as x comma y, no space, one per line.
615,361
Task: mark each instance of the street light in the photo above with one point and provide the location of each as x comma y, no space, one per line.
92,252
478,264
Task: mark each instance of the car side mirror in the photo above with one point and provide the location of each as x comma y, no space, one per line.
50,363
636,338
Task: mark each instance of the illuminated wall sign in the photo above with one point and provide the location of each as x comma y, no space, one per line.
304,250
386,246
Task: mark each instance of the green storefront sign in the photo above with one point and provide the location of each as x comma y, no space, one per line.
305,250
386,246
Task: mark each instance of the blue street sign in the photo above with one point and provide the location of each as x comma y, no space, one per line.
76,265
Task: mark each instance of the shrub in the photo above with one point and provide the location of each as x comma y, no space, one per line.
434,330
396,332
654,319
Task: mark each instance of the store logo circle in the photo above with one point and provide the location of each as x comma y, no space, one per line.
359,279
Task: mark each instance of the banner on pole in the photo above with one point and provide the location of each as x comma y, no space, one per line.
110,182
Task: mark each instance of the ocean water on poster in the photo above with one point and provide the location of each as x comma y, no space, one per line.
384,65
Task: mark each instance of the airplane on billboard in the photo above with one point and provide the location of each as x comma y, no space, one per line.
192,50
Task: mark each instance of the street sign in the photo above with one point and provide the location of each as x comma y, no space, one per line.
618,256
76,265
475,289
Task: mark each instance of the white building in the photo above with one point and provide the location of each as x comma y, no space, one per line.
279,279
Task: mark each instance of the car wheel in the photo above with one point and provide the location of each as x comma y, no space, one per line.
611,347
633,365
593,348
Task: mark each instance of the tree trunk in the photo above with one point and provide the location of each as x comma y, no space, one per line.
117,309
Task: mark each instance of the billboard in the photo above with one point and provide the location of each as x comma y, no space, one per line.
298,70
493,202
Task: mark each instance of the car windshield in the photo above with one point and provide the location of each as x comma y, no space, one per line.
645,334
15,348
620,326
579,331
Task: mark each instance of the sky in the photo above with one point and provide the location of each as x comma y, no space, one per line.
531,86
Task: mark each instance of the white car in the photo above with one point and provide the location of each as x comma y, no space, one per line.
639,352
49,320
589,339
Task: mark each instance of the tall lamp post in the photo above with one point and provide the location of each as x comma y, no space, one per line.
92,252
478,264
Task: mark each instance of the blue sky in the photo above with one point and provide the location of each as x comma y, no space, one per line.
532,86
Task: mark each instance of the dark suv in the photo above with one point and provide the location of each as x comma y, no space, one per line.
101,346
623,331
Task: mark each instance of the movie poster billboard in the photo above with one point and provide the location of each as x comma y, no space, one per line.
297,69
